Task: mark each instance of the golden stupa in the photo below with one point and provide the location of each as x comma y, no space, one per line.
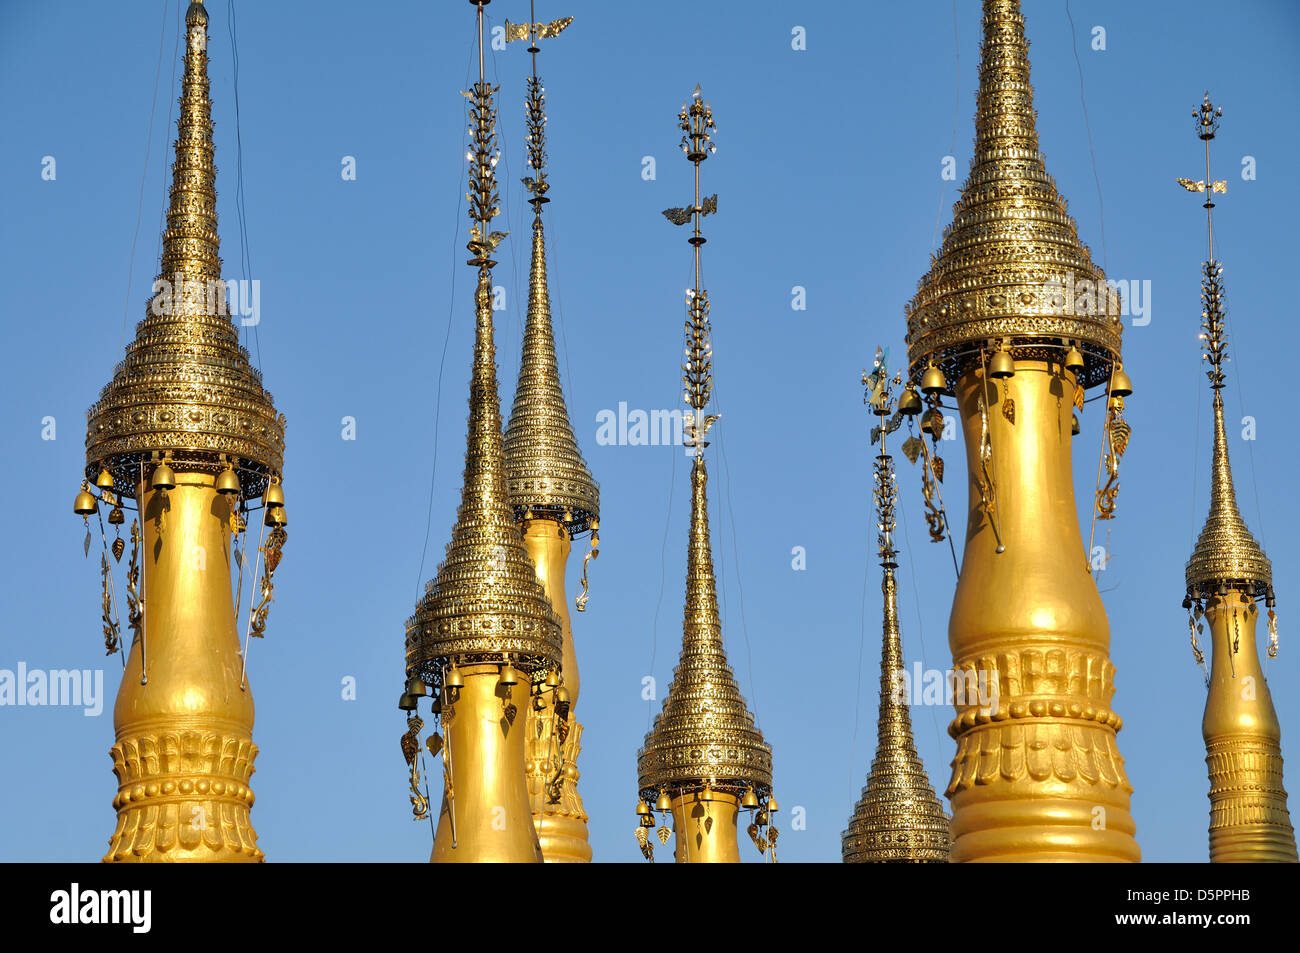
703,760
484,637
898,819
1227,575
555,500
186,431
1014,320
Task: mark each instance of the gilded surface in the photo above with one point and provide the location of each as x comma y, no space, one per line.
1011,262
485,606
185,394
186,386
184,750
899,817
1227,576
703,751
1037,776
1249,820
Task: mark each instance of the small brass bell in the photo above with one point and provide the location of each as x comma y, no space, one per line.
227,482
1001,365
1120,385
508,675
909,402
274,495
414,686
1074,360
643,809
552,679
772,806
933,381
561,695
665,803
163,478
595,525
750,799
275,516
454,679
85,504
105,480
408,702
1074,425
116,517
539,703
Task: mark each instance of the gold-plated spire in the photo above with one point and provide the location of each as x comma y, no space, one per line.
547,474
1014,320
1227,575
1011,267
898,818
554,499
186,386
485,615
1226,553
187,431
703,760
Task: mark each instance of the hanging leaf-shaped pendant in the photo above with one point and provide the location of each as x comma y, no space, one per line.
1009,410
85,545
434,744
664,833
118,548
937,466
1078,396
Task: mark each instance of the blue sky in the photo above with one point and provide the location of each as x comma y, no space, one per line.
828,171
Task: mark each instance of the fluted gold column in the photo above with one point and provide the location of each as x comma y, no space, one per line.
1249,821
493,821
1041,778
184,750
553,745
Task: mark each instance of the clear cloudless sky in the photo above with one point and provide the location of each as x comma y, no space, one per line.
829,173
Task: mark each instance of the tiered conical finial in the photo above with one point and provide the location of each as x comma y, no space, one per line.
703,742
186,389
899,818
1011,272
1226,553
485,617
545,469
1227,576
485,601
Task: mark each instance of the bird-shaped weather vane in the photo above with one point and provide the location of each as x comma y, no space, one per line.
1207,117
535,105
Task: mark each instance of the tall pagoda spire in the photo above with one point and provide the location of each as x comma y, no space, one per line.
898,818
554,499
484,625
703,760
1227,575
1012,317
186,431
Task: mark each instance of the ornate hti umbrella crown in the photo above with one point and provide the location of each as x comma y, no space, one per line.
547,476
1011,268
899,817
1226,554
485,603
186,389
704,737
